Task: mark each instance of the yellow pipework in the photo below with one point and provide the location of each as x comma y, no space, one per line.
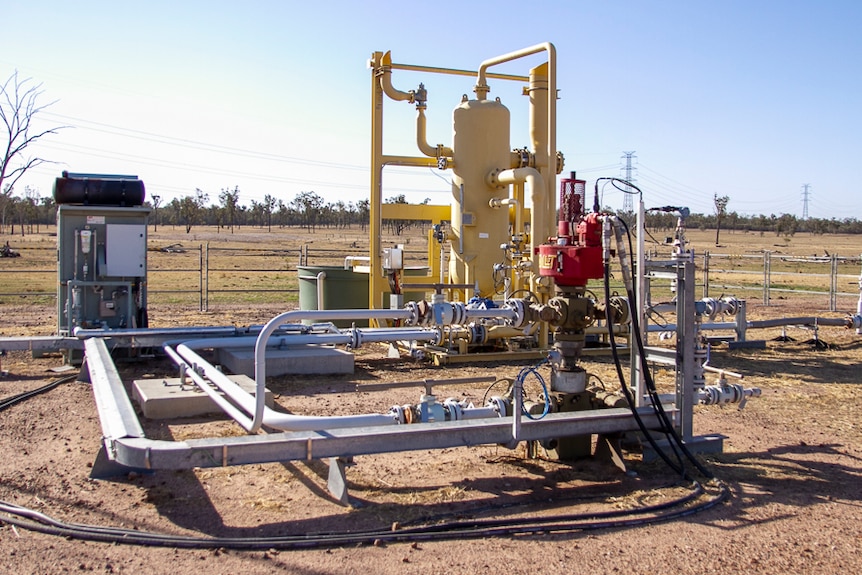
386,81
544,141
498,202
533,178
537,168
440,151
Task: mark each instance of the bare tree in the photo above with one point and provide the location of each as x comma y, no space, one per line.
720,210
19,105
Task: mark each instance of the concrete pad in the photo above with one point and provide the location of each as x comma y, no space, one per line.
306,359
166,399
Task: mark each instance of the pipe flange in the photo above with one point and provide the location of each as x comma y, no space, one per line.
478,334
523,158
355,338
397,413
493,180
518,306
459,313
732,305
499,404
413,308
453,409
622,309
712,307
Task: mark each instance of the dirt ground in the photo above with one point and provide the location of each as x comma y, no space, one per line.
792,460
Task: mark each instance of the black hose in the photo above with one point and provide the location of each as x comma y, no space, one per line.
15,399
650,382
674,509
680,469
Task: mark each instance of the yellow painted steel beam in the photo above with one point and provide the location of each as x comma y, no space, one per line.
376,193
433,214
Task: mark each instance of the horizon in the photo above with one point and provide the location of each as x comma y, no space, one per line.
748,101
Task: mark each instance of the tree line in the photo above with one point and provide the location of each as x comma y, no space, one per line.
29,212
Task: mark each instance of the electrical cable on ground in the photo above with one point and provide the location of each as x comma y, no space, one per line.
460,529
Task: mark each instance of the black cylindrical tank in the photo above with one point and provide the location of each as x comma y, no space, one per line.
99,190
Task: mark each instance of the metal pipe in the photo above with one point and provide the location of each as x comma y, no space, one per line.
497,202
348,260
197,362
386,81
278,420
82,333
482,90
457,72
320,302
827,321
537,215
185,352
141,452
299,315
439,151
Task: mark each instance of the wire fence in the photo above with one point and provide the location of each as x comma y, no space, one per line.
768,274
198,276
205,275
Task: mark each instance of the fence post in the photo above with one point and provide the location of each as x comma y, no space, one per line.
767,273
833,283
207,279
201,278
706,273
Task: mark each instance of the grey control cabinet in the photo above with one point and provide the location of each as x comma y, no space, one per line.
101,267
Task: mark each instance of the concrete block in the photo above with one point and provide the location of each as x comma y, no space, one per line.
308,359
166,399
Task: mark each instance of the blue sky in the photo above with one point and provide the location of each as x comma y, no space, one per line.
749,99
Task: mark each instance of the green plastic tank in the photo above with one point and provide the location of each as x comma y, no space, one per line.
344,289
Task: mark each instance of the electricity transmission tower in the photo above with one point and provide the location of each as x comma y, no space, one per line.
628,206
806,193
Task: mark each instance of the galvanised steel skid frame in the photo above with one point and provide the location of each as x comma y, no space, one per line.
126,447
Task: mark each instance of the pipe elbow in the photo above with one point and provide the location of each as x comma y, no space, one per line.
386,82
500,178
439,151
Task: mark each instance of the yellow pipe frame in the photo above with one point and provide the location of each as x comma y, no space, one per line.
541,178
